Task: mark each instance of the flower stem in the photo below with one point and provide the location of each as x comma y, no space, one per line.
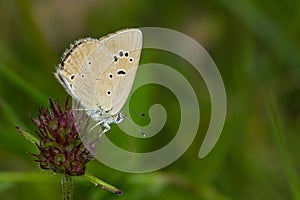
67,187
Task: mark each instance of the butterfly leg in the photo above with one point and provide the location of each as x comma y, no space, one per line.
98,123
104,124
106,127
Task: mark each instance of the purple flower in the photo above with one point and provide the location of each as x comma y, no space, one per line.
61,149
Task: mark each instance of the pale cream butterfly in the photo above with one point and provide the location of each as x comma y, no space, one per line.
99,73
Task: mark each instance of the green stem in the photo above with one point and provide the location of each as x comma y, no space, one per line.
67,187
277,125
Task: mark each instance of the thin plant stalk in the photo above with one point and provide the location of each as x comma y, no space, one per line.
67,187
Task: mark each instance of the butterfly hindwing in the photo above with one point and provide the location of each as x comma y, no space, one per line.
125,48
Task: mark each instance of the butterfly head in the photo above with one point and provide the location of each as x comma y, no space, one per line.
118,118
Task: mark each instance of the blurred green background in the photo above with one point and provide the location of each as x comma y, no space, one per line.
255,45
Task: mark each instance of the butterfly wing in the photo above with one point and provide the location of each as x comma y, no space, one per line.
116,81
100,73
76,68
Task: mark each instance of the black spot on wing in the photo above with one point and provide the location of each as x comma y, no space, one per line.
121,72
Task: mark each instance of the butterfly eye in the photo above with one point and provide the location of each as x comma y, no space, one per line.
119,118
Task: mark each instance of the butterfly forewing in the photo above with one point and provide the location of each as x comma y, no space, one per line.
75,70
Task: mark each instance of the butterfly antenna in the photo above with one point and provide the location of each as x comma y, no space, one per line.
134,125
139,113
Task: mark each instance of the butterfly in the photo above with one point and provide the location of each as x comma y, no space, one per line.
99,73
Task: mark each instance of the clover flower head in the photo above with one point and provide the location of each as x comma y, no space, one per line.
61,148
